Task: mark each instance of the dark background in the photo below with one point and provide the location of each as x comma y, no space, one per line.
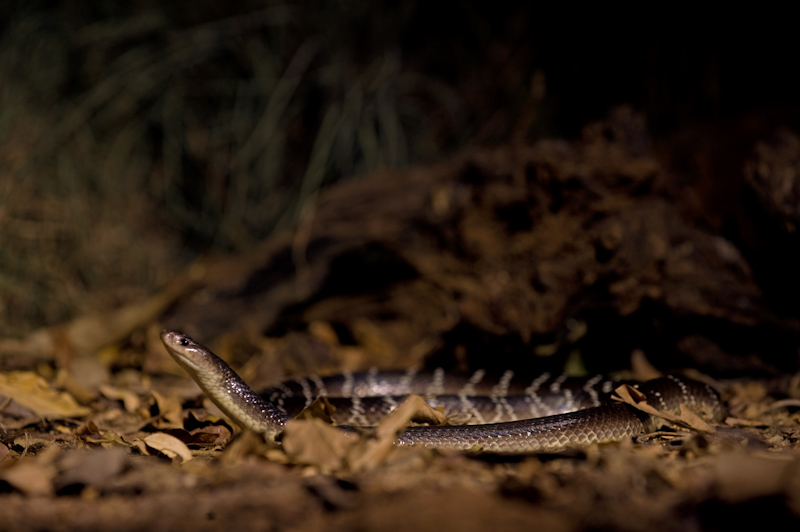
137,135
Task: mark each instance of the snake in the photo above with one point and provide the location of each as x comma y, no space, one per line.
544,414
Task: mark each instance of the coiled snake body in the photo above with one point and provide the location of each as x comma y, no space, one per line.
509,418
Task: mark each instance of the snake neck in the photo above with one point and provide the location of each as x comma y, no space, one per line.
224,387
240,403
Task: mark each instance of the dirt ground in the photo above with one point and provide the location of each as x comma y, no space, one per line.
594,256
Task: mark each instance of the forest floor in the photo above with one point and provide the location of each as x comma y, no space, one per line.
581,257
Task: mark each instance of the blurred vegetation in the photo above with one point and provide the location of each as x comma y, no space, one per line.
136,135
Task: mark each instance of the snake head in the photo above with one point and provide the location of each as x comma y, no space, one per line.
186,352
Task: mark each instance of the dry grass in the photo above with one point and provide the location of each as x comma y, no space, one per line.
132,142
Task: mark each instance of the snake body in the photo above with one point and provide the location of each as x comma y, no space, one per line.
575,413
366,398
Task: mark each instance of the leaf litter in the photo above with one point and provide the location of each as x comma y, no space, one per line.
314,441
109,453
115,455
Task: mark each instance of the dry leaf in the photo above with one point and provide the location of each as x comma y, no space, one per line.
65,381
82,377
129,399
246,443
14,410
686,418
141,446
33,392
168,445
211,435
413,408
690,418
4,452
90,427
314,442
106,438
171,411
372,451
320,408
91,433
27,440
737,422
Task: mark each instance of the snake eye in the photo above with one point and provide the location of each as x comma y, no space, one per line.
184,341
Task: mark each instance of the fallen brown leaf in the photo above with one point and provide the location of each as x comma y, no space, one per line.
170,410
89,427
106,438
314,442
66,380
15,410
33,392
28,440
738,422
129,399
691,419
169,446
686,418
210,435
373,451
139,445
320,408
249,443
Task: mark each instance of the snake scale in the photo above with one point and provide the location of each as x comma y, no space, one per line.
541,415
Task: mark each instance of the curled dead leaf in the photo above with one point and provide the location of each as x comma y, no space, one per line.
170,410
141,446
320,408
373,451
413,408
210,435
685,418
169,446
105,438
